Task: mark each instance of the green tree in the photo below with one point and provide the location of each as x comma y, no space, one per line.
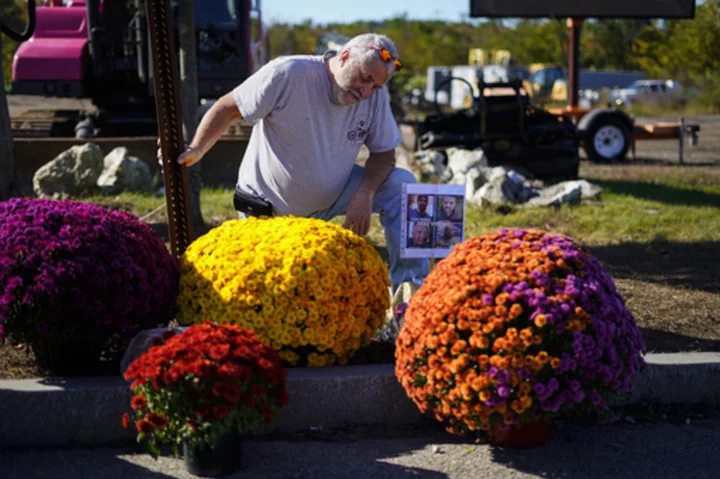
14,15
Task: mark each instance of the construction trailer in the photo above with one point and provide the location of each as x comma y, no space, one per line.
511,130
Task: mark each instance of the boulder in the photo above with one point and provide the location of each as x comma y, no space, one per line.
73,173
570,192
503,186
123,172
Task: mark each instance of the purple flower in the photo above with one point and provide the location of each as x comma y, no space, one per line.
503,391
82,262
553,384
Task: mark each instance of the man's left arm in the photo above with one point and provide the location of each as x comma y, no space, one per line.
359,211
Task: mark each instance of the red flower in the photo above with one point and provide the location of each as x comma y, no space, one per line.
208,371
160,421
126,420
219,352
232,393
230,370
138,402
144,426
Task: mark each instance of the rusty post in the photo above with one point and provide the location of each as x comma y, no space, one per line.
574,24
169,118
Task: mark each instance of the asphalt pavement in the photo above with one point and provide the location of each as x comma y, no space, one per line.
655,449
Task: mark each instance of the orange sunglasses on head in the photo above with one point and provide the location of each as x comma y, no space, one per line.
387,56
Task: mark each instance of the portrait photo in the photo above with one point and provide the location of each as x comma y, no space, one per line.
420,234
432,219
449,207
421,207
447,234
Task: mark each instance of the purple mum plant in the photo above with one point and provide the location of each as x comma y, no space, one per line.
76,275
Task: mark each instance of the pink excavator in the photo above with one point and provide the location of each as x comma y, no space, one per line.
99,49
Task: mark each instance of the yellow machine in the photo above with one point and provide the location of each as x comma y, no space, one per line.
480,56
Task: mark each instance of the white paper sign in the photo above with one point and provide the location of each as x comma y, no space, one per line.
433,219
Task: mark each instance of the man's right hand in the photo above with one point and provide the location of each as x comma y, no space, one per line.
188,157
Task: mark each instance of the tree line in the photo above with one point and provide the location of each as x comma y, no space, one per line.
684,50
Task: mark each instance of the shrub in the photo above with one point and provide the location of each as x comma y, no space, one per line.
515,326
314,291
78,281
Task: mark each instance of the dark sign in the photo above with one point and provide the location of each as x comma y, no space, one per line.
583,8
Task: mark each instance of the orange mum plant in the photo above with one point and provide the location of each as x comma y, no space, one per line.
515,326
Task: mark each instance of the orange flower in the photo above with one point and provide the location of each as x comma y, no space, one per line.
540,320
126,420
138,402
515,311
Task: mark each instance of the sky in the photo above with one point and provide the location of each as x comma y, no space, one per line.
342,11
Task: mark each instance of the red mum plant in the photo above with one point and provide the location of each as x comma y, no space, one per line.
202,384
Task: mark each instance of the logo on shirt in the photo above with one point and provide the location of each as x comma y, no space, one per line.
359,132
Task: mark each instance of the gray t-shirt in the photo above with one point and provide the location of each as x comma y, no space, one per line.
303,146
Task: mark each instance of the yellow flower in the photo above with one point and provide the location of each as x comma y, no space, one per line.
294,281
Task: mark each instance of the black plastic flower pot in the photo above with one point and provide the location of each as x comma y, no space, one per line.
223,459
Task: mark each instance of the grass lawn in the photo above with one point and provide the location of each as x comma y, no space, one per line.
656,229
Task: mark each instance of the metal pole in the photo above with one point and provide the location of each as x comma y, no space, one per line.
682,140
169,118
574,24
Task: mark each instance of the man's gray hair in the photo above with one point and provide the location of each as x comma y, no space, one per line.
359,49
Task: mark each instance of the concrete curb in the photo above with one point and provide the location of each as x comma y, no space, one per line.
87,411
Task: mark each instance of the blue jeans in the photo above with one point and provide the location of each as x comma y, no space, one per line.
387,203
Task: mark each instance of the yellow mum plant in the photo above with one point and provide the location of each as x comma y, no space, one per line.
313,291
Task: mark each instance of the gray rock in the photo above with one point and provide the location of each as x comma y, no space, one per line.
123,172
571,192
504,186
461,161
73,173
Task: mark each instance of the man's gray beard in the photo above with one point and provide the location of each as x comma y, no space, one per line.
338,95
337,92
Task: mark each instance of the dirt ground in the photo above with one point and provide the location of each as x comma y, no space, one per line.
672,289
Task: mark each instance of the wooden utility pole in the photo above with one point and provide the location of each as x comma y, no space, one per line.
189,103
8,175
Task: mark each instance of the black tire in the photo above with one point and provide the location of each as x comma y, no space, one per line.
607,139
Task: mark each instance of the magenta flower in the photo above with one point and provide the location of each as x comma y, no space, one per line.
71,270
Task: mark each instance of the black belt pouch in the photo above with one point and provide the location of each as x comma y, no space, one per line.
251,205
